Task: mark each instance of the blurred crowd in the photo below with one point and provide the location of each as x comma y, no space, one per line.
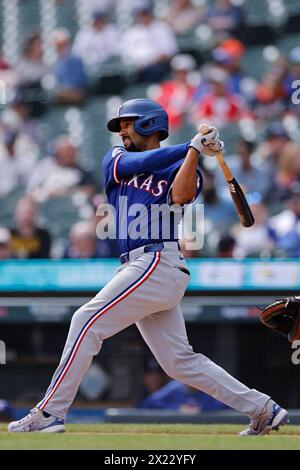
161,393
211,87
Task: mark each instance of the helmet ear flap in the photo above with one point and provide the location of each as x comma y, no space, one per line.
148,123
148,126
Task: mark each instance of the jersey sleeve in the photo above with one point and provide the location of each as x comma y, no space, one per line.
118,163
131,163
110,166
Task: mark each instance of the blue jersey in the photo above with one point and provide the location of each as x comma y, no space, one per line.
138,185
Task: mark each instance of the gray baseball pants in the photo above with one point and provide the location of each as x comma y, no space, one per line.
147,291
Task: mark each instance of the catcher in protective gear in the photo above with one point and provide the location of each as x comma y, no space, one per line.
283,316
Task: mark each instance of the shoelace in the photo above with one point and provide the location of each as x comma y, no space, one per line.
259,422
26,418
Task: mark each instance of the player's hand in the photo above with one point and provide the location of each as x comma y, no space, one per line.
211,149
202,141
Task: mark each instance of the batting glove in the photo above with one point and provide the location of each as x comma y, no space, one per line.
211,149
201,141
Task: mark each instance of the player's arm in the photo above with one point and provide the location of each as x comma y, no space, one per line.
184,188
131,163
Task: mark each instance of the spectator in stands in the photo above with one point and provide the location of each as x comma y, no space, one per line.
28,240
99,42
17,116
187,249
268,153
270,97
288,166
17,113
5,244
258,240
61,174
286,224
82,241
7,75
4,65
148,46
276,139
229,56
71,78
154,379
226,246
290,80
225,18
17,161
31,68
176,94
183,16
219,106
181,397
107,247
218,211
253,176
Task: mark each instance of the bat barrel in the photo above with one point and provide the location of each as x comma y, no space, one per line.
241,204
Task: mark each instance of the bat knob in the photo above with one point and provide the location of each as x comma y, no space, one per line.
204,129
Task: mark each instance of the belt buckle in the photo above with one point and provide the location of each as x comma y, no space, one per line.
153,247
124,258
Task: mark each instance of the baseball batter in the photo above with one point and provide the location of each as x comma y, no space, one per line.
153,276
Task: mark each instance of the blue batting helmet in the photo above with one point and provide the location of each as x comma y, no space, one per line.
150,117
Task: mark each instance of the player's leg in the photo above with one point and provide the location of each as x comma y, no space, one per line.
126,298
165,334
131,295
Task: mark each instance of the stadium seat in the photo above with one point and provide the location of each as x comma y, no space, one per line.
66,14
256,12
96,139
55,123
292,7
59,214
287,42
7,207
254,64
29,18
10,30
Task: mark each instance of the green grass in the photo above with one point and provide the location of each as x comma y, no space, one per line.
151,437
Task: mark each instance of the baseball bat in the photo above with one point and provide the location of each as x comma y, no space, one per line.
236,192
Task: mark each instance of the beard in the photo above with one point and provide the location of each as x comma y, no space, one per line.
130,146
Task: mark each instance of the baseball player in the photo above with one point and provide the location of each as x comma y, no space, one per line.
153,276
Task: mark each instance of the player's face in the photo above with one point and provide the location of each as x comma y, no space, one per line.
132,141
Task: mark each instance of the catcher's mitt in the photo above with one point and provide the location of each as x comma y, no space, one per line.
283,316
